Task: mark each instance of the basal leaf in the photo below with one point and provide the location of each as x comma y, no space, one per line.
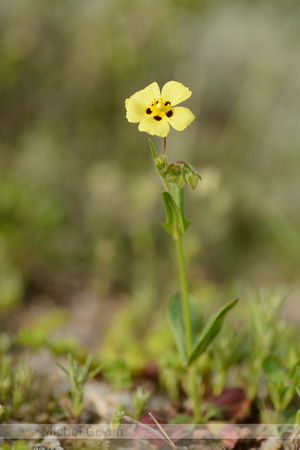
177,323
210,331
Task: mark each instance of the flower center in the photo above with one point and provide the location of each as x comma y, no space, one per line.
159,109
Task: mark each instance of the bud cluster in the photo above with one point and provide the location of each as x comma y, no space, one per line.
178,172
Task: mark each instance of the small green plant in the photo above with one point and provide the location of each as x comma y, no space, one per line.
117,373
15,379
38,333
140,399
271,340
155,111
117,418
282,384
5,411
296,430
18,445
282,388
226,353
171,372
78,377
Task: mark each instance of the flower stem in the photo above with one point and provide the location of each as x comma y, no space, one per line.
188,325
185,295
187,314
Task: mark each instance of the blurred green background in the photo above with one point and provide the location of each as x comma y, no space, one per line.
80,200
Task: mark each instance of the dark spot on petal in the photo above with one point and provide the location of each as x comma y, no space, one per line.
148,111
158,118
169,113
167,103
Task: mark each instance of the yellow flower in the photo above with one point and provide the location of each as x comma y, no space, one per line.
156,110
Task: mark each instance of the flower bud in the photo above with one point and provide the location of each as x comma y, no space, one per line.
180,181
185,170
161,164
192,180
172,173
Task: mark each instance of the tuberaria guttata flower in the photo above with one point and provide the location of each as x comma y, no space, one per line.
156,111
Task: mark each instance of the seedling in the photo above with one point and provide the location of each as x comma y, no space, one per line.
117,418
282,384
139,400
15,379
78,377
296,431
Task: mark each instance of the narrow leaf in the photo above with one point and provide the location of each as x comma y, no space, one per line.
210,331
169,225
152,148
174,224
87,364
177,323
179,199
94,372
62,368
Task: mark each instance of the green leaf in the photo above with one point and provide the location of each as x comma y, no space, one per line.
62,368
153,150
179,200
275,372
181,418
295,372
175,223
210,331
177,323
94,372
87,364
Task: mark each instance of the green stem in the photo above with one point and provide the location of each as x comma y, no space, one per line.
187,314
188,325
185,295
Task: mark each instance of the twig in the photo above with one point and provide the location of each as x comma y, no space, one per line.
163,436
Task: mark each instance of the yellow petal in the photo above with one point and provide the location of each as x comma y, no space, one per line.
148,94
175,92
181,118
135,110
155,128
